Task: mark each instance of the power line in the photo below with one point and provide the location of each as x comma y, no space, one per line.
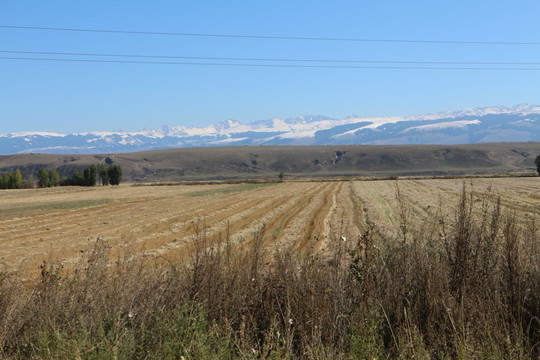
271,37
269,59
269,65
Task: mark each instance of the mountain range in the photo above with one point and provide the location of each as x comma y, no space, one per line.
520,123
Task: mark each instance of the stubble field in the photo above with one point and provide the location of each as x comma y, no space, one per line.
420,268
60,224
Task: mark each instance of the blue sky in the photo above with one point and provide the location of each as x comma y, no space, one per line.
79,97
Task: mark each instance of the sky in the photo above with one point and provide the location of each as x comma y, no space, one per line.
81,96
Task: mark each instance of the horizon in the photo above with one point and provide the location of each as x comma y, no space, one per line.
79,68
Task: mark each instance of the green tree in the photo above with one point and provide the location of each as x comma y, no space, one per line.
17,180
7,181
93,175
54,178
115,174
43,178
281,176
90,174
537,162
103,174
78,178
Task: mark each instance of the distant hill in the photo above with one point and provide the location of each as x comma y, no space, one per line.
519,123
246,162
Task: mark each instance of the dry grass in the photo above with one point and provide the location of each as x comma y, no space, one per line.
465,283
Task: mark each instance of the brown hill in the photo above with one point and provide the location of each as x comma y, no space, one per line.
295,161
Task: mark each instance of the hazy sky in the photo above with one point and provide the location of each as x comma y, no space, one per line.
91,96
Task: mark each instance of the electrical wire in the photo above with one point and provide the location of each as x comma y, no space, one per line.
271,37
269,65
268,59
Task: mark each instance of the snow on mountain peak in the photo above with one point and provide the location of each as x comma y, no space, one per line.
226,125
461,124
522,109
514,123
33,133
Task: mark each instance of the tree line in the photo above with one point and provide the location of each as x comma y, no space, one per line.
12,180
90,176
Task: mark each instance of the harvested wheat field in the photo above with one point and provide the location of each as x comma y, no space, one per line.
61,223
388,203
58,224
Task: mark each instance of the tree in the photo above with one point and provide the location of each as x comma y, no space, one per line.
93,175
115,174
17,180
78,178
43,178
54,178
29,183
90,176
103,175
7,181
537,162
281,176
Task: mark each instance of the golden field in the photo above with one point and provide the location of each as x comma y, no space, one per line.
58,224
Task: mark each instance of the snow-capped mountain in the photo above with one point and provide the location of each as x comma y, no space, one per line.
490,124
